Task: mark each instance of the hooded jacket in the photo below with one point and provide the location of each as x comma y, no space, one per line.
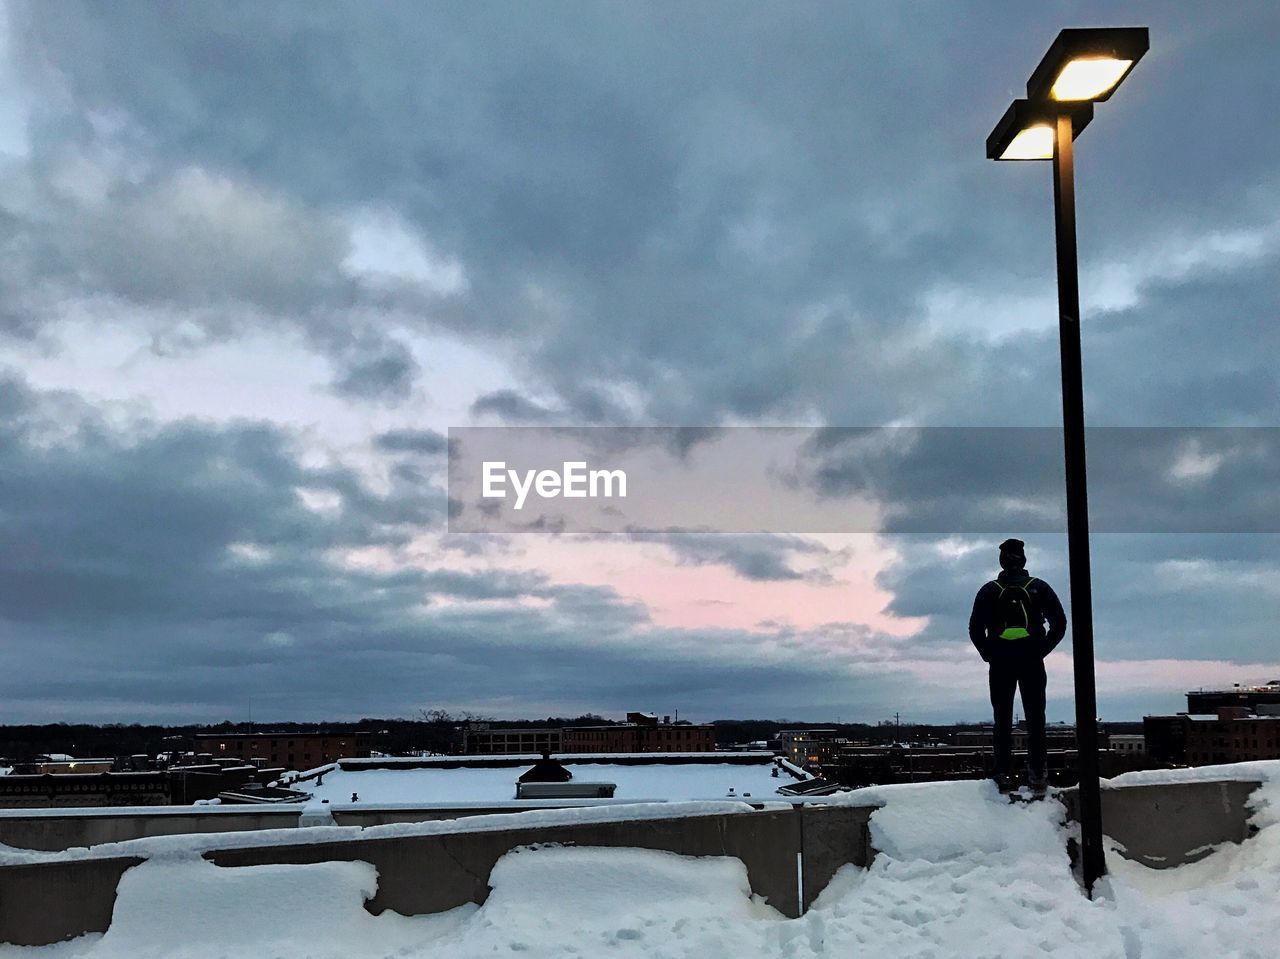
1047,626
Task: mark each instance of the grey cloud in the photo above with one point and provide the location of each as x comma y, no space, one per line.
177,571
193,257
425,442
386,374
147,524
510,407
974,480
1155,596
581,405
488,585
691,234
758,557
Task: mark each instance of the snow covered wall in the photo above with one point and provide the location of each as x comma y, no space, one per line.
958,872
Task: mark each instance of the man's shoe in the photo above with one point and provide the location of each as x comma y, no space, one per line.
1038,781
1004,782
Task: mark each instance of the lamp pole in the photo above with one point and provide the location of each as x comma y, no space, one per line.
1083,66
1093,863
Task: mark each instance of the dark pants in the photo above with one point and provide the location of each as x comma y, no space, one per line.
1025,671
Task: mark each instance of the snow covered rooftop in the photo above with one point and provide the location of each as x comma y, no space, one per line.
470,780
959,872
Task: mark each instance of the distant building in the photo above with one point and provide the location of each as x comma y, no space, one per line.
1220,726
300,750
179,785
1233,735
1128,744
874,765
486,742
1166,738
1207,702
72,767
641,733
810,747
1056,736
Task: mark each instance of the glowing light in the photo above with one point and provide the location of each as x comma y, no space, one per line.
1088,79
1032,143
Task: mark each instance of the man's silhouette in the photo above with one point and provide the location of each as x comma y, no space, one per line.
1007,627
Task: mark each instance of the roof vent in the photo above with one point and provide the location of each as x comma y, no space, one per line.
546,770
545,790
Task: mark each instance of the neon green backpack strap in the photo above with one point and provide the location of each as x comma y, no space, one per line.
1017,632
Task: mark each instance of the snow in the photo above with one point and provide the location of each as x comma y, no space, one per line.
190,844
960,873
461,786
1259,771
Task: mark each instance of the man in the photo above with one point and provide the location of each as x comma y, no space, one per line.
1007,627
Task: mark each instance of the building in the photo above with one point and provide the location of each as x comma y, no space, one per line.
641,733
483,741
810,747
1232,735
1219,726
1207,702
296,750
71,767
69,790
1128,744
1056,736
1166,738
178,785
875,765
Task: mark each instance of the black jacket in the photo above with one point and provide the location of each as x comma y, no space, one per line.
1045,609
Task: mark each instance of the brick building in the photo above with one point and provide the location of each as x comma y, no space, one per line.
641,733
1220,726
810,746
1233,735
297,750
482,741
1056,736
1207,702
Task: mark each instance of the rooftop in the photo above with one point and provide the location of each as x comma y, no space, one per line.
671,777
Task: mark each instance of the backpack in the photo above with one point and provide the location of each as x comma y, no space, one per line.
1014,610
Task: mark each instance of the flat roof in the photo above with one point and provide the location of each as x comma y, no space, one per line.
692,776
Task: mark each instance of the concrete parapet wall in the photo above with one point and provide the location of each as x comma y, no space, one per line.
831,837
1163,825
790,854
55,830
51,901
783,850
49,832
432,873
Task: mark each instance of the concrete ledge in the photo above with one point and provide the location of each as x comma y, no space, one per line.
1163,825
831,837
49,902
790,854
54,831
433,873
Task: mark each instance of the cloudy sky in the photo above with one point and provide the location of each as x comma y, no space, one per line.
257,259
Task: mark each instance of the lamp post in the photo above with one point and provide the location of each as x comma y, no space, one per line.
1082,67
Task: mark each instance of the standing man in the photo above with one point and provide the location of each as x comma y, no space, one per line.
1007,627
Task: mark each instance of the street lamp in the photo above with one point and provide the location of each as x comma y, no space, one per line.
1082,67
